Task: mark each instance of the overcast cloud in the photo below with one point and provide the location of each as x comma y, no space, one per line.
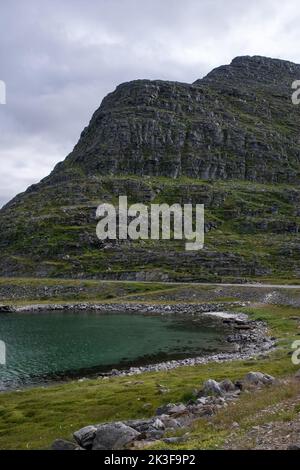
59,58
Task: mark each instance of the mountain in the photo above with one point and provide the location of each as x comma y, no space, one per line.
230,140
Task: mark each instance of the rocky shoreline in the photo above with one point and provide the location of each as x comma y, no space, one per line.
125,307
255,341
248,338
168,420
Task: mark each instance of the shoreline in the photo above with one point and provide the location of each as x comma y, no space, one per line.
249,338
125,307
255,342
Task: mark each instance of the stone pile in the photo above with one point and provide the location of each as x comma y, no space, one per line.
212,397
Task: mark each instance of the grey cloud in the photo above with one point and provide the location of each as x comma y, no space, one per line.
60,58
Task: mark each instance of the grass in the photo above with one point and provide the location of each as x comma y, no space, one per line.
33,418
247,412
253,222
50,290
67,290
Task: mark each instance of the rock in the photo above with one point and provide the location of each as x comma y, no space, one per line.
140,425
178,410
85,436
152,428
153,434
211,387
171,409
207,410
227,386
201,401
239,384
158,424
7,309
114,436
294,447
169,423
235,425
258,378
61,444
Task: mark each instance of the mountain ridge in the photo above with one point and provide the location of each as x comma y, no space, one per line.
202,130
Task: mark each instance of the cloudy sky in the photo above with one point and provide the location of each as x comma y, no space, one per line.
59,58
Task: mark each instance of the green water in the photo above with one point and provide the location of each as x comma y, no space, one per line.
51,346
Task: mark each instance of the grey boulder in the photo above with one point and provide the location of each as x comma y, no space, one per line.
227,386
61,444
211,387
258,378
171,409
169,422
148,428
85,436
114,436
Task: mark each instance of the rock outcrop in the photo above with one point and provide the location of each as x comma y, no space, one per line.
236,123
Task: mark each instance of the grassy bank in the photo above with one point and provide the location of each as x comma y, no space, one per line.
22,291
32,419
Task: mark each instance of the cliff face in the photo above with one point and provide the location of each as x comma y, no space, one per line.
230,140
236,123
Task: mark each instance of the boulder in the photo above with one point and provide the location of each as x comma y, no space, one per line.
61,444
158,424
114,436
211,387
169,423
201,401
171,409
152,428
85,436
7,309
207,410
140,425
227,386
258,378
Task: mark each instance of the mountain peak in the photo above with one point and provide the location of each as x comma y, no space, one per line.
259,60
256,69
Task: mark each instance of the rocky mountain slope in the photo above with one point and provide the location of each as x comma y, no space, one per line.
230,140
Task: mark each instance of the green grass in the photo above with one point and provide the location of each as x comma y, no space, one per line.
51,290
253,222
32,290
33,418
208,435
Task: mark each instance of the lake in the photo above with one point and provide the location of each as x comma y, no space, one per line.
48,346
